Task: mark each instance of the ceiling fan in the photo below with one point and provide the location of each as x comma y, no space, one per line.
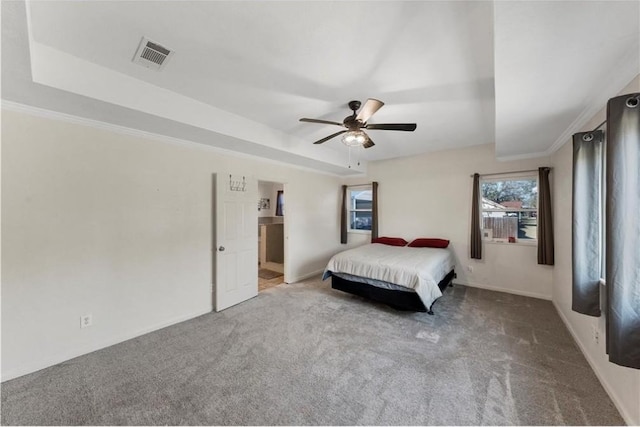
354,134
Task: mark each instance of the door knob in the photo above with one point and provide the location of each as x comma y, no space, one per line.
221,248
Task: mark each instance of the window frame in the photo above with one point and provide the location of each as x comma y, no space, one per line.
482,210
350,208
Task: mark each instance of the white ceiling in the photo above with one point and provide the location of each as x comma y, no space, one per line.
244,72
557,64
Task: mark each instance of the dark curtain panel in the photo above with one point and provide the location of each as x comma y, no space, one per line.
374,210
280,203
588,152
622,230
476,232
545,221
343,216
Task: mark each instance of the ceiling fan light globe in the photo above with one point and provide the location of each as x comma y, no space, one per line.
354,138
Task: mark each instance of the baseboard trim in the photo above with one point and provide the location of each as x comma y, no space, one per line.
605,384
306,276
59,358
505,290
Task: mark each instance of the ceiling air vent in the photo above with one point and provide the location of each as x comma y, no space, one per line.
152,55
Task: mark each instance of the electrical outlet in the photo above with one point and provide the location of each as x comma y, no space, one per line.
596,334
86,321
470,268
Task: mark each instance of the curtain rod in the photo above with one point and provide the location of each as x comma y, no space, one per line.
631,102
599,126
507,173
588,136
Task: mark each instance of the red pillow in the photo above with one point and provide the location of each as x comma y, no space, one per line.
391,241
429,243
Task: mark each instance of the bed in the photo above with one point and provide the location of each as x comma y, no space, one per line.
406,278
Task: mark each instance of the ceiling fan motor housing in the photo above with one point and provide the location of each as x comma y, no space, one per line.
351,123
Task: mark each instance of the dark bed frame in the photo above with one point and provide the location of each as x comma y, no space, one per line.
400,300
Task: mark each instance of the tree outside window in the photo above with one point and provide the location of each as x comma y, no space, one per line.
510,208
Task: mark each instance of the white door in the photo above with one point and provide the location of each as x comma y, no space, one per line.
236,238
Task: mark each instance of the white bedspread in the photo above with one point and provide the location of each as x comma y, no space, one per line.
420,269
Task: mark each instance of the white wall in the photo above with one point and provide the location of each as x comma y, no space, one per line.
119,226
430,196
623,384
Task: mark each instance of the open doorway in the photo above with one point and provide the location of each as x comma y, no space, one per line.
271,237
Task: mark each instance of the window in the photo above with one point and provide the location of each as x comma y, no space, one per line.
510,209
359,202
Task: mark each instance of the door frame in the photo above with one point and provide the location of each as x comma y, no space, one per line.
287,263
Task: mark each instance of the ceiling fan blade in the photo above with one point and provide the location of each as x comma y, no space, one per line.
409,127
369,109
320,141
368,143
326,122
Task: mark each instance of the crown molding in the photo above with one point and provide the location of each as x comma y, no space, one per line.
535,155
623,72
123,130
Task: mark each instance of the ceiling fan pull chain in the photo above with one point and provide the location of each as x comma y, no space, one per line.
349,157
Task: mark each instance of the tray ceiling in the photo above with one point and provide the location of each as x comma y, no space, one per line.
520,74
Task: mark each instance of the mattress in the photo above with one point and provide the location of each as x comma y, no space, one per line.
395,267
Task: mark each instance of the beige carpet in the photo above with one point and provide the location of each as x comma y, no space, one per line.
306,354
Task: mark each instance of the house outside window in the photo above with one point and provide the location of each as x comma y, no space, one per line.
510,209
359,209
